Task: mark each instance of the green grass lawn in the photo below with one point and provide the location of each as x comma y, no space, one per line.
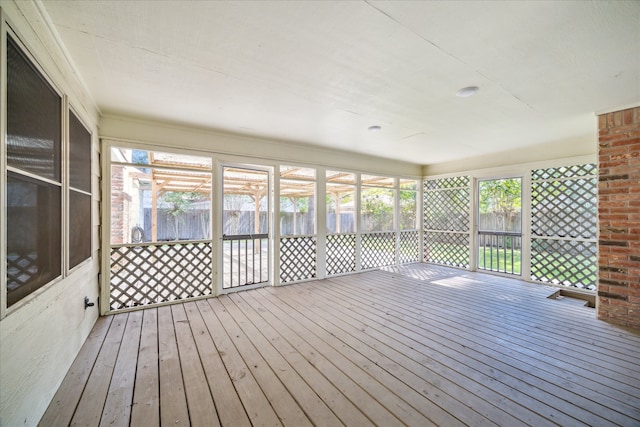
574,270
498,259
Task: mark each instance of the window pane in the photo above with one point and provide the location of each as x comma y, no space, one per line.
245,201
182,215
33,118
377,181
338,177
79,228
79,155
408,184
180,209
408,210
157,158
377,209
341,208
297,208
295,172
33,235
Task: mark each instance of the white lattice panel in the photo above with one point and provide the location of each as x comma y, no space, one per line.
564,262
447,210
341,253
564,225
447,249
144,275
409,246
297,258
378,250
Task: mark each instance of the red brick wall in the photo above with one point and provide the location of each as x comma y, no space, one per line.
619,217
117,205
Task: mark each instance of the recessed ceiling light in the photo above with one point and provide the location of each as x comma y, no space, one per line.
375,128
468,91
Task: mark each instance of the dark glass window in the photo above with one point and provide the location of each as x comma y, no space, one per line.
79,227
79,155
79,192
33,235
34,187
33,118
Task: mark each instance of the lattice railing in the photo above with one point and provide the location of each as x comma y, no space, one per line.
245,260
409,250
341,253
564,262
297,258
564,225
151,274
447,210
500,251
378,249
564,208
447,248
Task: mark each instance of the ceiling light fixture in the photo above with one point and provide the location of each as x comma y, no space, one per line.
375,128
468,91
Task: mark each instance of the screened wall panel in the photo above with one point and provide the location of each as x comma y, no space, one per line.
340,222
298,243
447,210
160,226
563,225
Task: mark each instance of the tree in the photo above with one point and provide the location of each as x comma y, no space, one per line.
501,198
179,203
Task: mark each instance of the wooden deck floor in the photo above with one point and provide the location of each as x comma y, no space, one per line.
421,346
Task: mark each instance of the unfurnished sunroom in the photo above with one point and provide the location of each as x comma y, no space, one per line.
448,191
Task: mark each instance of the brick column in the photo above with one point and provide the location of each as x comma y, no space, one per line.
619,217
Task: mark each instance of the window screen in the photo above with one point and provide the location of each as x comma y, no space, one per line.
79,155
33,235
34,188
79,228
33,118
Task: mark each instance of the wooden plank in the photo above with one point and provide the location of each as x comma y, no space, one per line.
420,345
322,345
579,402
473,393
173,401
541,348
228,404
586,387
466,360
91,403
496,288
255,403
358,397
371,361
446,409
285,406
246,316
117,408
146,396
64,402
202,411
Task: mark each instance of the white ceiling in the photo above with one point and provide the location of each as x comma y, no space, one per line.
322,72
